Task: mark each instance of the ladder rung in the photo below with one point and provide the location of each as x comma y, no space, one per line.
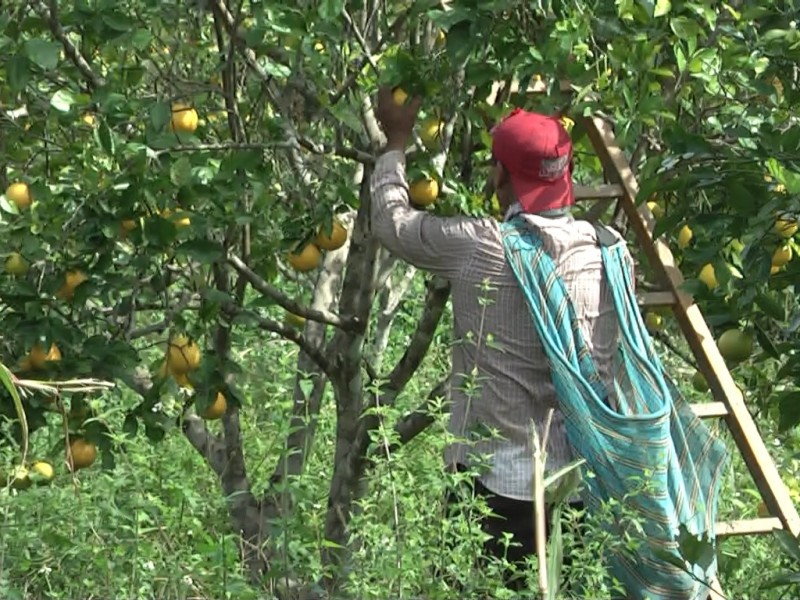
598,192
748,526
657,299
707,410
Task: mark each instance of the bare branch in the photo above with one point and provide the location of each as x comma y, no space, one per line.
269,290
208,445
337,150
315,148
360,39
415,422
435,301
389,298
51,16
305,409
289,334
162,325
394,29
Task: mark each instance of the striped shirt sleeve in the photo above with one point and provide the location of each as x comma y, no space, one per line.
441,245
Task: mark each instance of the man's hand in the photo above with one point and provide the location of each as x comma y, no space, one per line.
397,120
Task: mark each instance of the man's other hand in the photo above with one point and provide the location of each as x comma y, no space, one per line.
397,120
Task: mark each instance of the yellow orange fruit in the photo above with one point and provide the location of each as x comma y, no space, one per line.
44,469
183,355
708,276
83,452
782,255
182,379
72,279
38,358
431,132
216,409
424,192
785,228
399,95
334,240
184,118
307,259
20,194
295,320
656,209
685,237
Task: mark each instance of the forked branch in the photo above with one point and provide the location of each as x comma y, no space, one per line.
50,14
270,291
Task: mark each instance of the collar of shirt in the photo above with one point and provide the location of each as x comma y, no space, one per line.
516,209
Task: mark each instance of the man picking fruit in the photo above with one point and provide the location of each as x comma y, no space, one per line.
497,348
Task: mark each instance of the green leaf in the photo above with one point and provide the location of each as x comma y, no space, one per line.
662,8
105,138
788,409
685,28
141,39
766,343
771,307
331,9
276,69
180,173
18,71
203,251
160,115
789,543
460,41
782,580
118,22
697,550
62,100
43,53
154,432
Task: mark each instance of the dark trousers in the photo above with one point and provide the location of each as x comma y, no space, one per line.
509,516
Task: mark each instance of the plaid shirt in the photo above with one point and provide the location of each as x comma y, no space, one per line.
501,379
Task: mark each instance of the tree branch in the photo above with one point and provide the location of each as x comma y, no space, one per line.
291,335
162,325
435,301
389,297
415,422
208,445
264,287
51,16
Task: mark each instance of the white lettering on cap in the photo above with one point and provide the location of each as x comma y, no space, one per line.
552,168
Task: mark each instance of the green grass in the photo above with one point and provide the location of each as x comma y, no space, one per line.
157,527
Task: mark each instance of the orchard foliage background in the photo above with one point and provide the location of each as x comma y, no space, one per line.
174,154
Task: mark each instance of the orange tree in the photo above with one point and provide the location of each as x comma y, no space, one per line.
175,173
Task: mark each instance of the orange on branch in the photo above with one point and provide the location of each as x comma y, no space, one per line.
307,259
334,241
216,409
183,355
184,118
20,194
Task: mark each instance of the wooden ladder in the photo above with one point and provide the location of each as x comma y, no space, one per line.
729,402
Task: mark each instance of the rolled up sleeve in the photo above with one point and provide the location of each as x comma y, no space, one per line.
441,245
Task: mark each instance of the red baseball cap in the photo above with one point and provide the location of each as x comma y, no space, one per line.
536,151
